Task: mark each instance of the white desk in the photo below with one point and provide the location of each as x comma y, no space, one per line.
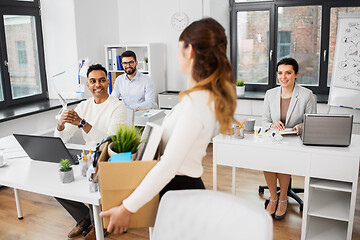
331,177
44,178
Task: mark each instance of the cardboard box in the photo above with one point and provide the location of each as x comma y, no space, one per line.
117,180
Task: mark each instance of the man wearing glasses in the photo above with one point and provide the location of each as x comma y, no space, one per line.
135,88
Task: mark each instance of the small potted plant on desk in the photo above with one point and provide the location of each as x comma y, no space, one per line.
240,88
66,171
126,141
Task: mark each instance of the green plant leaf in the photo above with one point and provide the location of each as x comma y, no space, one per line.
65,165
126,139
240,83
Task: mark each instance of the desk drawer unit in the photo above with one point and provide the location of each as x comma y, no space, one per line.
257,158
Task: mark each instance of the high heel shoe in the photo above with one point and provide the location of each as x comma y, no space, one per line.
281,216
275,201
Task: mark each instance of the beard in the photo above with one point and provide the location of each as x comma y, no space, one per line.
130,71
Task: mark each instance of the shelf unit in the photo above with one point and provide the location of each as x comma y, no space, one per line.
154,67
329,209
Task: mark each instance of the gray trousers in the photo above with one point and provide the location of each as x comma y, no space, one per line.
79,211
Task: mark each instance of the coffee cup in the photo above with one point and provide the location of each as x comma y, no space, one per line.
249,125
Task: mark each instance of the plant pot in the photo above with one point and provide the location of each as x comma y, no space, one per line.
240,90
112,152
67,177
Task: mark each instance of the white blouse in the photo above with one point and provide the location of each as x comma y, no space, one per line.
188,130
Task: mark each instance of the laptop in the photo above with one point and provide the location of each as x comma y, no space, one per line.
327,129
47,149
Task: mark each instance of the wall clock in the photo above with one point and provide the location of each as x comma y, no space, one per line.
179,21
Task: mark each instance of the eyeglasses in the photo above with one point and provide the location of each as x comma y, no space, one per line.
131,63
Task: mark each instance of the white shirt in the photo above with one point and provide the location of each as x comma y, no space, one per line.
137,93
188,130
104,118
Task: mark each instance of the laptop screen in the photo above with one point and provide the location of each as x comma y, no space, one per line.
43,148
327,129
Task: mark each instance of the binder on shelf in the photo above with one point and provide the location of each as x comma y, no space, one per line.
110,83
115,67
110,62
118,61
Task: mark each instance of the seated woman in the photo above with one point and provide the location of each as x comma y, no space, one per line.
284,107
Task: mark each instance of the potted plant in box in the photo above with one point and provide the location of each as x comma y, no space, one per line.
126,139
240,88
66,171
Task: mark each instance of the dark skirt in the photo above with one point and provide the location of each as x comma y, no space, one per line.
182,183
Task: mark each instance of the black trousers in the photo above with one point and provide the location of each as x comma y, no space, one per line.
182,183
78,210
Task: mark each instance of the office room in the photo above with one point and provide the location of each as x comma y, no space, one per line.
46,47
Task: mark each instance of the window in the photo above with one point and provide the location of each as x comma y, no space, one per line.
23,72
284,44
1,91
263,32
21,53
252,42
304,24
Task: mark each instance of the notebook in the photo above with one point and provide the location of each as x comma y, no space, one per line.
47,149
327,129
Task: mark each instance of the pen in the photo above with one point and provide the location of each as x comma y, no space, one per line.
346,107
242,124
84,155
90,155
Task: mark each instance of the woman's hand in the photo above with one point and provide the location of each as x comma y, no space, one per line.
278,125
298,129
119,218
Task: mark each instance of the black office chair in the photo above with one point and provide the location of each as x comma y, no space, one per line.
292,192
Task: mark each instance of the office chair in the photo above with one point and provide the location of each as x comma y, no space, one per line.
291,192
209,215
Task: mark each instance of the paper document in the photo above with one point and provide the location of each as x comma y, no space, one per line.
287,131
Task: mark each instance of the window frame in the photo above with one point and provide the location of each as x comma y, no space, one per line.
11,7
273,34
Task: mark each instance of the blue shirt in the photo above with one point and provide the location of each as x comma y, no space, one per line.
137,93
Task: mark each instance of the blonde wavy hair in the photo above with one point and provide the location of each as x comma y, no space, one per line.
212,70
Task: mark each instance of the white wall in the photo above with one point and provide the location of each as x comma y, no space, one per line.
59,35
74,30
143,21
219,10
96,25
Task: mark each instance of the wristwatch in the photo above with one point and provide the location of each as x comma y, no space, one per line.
82,123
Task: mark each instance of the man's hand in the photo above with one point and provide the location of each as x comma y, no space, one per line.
68,117
278,125
119,218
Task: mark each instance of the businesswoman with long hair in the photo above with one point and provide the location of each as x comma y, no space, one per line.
284,107
188,129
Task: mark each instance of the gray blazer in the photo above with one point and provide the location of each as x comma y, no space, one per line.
302,101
